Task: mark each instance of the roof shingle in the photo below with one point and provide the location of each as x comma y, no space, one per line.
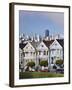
22,45
48,43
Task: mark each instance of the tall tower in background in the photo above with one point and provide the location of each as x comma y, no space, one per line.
46,33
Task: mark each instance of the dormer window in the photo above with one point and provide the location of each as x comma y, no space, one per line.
55,44
26,47
31,47
42,45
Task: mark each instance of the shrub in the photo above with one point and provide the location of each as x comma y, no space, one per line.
59,62
31,64
44,63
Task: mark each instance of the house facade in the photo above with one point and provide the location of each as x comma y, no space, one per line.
42,52
50,51
29,53
56,50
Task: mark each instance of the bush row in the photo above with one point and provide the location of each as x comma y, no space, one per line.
44,63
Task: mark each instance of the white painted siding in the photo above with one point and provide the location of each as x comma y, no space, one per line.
42,52
56,52
29,53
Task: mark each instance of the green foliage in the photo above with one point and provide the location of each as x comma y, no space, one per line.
43,63
31,64
24,75
59,62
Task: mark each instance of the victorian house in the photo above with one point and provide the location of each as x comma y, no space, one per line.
42,52
29,53
56,50
50,50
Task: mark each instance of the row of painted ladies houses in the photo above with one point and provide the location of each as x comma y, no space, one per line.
37,51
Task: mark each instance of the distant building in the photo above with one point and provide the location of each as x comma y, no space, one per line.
46,33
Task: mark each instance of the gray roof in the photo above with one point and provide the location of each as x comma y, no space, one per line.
35,44
48,43
22,45
61,42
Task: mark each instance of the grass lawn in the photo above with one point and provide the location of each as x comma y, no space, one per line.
26,75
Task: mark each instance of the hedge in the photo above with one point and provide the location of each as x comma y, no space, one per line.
43,63
59,62
31,64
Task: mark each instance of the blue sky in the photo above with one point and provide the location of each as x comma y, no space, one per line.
36,22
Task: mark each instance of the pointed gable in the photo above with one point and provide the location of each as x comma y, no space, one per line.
57,44
29,47
42,46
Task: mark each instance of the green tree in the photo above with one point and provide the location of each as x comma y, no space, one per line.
59,62
43,63
31,64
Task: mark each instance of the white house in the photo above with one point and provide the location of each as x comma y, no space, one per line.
48,43
56,50
29,53
50,50
42,52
